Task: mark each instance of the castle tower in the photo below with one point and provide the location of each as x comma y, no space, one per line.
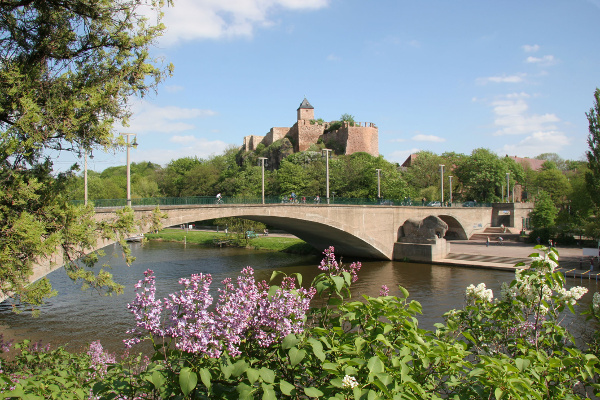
306,112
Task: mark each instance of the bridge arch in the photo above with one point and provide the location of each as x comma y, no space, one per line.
455,228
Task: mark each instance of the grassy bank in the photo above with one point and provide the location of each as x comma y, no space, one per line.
272,243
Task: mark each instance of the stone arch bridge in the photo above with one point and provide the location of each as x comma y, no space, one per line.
366,231
369,231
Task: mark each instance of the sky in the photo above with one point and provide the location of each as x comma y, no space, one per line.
515,77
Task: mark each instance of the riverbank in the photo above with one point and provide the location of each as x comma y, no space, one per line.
276,242
464,253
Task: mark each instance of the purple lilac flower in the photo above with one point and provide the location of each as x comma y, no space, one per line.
384,291
5,345
99,360
329,264
146,309
189,319
283,313
244,310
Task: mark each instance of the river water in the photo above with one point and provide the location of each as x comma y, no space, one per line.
75,318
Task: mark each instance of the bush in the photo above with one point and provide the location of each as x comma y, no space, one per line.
263,341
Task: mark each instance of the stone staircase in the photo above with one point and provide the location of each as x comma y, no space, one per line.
494,232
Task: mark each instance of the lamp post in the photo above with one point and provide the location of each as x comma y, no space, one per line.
442,183
134,144
508,187
85,192
262,161
326,153
450,177
378,183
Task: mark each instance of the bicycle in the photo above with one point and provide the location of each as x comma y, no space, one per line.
219,201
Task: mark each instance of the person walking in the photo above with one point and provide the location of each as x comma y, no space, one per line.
487,242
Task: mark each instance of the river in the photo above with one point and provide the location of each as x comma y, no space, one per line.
75,318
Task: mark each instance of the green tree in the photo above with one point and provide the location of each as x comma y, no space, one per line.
554,182
424,173
544,212
592,177
482,174
67,73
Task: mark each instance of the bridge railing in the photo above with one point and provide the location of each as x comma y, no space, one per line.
211,200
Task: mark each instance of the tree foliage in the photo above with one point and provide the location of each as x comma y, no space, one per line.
592,177
67,72
544,213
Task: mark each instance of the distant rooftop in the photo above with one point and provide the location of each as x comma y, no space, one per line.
532,163
305,104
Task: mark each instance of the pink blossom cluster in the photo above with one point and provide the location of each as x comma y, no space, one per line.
5,345
384,291
244,311
99,360
330,264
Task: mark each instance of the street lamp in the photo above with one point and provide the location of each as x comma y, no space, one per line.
442,183
326,152
134,144
262,161
508,188
450,177
85,192
378,183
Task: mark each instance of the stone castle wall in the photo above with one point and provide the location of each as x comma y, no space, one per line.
308,134
361,137
250,142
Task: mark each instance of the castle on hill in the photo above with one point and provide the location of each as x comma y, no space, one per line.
349,137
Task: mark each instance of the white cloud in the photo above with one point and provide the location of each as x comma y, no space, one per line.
502,79
428,138
511,117
213,19
537,143
545,60
148,117
531,48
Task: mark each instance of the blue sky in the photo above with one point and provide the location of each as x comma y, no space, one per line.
513,76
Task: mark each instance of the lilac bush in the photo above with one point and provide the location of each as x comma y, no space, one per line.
244,311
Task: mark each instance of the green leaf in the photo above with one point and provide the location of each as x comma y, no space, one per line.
239,368
252,375
312,392
287,388
317,349
498,393
289,341
339,283
267,375
522,364
268,392
404,292
187,380
375,365
296,356
205,377
157,379
245,391
337,382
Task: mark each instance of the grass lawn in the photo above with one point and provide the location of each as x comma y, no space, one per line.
273,243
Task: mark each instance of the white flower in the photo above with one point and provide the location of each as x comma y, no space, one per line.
479,292
349,382
596,302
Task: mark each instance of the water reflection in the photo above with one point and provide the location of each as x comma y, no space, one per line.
75,318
